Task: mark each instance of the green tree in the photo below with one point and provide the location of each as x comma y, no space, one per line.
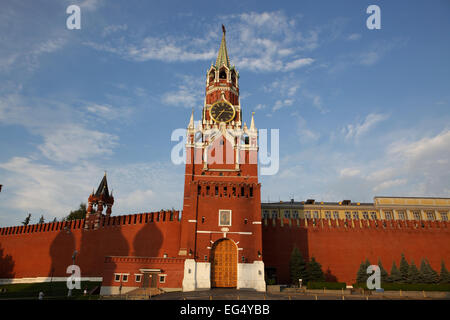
361,275
27,220
41,220
80,213
444,276
404,268
396,275
413,273
297,266
383,273
315,272
427,274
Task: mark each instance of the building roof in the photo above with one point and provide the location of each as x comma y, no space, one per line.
222,57
103,188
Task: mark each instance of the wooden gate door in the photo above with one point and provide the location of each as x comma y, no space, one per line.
224,264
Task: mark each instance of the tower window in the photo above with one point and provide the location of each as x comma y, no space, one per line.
222,74
242,191
217,190
251,191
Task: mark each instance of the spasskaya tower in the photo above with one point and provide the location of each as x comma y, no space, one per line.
221,220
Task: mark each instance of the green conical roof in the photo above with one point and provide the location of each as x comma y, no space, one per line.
222,57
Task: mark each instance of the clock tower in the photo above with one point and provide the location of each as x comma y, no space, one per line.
221,221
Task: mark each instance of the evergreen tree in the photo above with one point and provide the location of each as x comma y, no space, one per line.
404,268
383,273
444,276
55,220
396,275
361,275
80,213
27,220
41,220
427,273
315,272
297,267
413,273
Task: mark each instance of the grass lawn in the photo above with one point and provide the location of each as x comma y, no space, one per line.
52,290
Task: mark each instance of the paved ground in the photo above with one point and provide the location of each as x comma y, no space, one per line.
233,294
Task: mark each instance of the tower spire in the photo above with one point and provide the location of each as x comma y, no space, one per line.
222,57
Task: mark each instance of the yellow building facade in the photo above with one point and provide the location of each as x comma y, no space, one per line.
382,208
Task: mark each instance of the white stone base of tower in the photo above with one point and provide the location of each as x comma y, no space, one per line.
251,276
197,275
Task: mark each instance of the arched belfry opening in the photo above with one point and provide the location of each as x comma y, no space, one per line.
224,258
212,76
223,74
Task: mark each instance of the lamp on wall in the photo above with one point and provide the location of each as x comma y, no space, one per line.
190,252
259,254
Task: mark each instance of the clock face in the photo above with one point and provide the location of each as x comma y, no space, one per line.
222,112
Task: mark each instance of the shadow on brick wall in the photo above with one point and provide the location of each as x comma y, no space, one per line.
6,265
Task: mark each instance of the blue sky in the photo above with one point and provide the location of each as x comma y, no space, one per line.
360,112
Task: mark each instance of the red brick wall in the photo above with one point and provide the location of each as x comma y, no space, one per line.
37,253
341,250
172,267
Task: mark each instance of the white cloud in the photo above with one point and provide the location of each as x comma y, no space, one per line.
349,172
389,184
261,42
355,131
306,135
188,93
297,64
71,143
354,36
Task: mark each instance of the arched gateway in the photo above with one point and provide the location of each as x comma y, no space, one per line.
224,264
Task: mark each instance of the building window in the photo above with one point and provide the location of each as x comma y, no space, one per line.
125,278
224,217
444,216
388,215
431,216
308,214
162,278
366,215
327,215
138,277
373,215
206,258
401,215
295,214
416,215
355,216
286,213
316,214
265,214
274,214
336,215
117,277
347,215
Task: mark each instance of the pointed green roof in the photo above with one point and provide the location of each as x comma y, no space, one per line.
103,188
222,57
